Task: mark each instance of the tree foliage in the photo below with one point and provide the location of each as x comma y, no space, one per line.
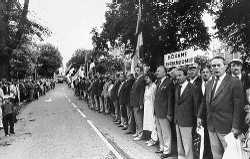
109,64
166,26
49,60
16,29
233,25
79,58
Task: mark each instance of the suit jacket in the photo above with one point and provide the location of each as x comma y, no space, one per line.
124,96
198,93
164,99
114,91
185,106
137,92
225,108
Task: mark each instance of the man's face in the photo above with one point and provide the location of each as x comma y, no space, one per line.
146,68
218,67
160,72
180,77
236,68
137,71
205,74
192,72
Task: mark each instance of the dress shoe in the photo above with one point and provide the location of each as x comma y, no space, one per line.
124,128
138,138
129,132
151,143
120,125
159,151
165,156
118,122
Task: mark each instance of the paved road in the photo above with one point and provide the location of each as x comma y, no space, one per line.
60,126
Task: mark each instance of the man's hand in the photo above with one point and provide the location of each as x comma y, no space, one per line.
199,122
141,107
169,118
247,118
236,132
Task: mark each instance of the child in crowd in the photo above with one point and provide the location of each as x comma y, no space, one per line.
8,116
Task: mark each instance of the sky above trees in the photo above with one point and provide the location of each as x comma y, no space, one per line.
69,21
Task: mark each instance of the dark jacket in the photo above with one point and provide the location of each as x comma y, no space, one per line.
185,106
225,108
7,109
114,91
124,96
198,93
137,92
164,99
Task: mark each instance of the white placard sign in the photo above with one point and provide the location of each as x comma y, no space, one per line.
180,58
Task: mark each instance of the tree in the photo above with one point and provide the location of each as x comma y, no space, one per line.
79,58
49,60
15,30
167,27
233,25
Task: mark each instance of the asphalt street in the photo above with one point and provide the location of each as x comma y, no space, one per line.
60,126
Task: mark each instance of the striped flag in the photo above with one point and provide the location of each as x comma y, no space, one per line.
139,46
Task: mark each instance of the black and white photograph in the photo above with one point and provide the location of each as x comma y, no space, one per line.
125,79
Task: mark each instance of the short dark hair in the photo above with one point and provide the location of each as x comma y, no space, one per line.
205,66
151,76
183,69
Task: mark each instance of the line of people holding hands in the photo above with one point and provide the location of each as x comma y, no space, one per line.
167,106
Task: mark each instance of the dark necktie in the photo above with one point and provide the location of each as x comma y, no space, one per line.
214,88
179,91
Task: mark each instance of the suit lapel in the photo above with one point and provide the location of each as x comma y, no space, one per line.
222,85
184,92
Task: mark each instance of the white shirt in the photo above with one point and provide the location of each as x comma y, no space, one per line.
162,80
219,82
192,80
203,85
183,86
240,76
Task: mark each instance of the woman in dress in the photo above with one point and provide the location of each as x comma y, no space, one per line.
149,126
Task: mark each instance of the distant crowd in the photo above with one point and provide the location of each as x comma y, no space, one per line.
168,107
14,93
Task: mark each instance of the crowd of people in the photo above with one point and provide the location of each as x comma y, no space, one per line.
168,106
14,93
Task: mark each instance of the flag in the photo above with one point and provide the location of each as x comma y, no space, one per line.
139,46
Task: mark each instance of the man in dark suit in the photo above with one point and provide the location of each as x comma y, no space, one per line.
164,107
236,71
205,76
124,101
224,103
122,108
114,98
196,81
130,114
137,100
184,116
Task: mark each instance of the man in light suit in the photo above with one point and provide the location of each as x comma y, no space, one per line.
224,103
164,107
